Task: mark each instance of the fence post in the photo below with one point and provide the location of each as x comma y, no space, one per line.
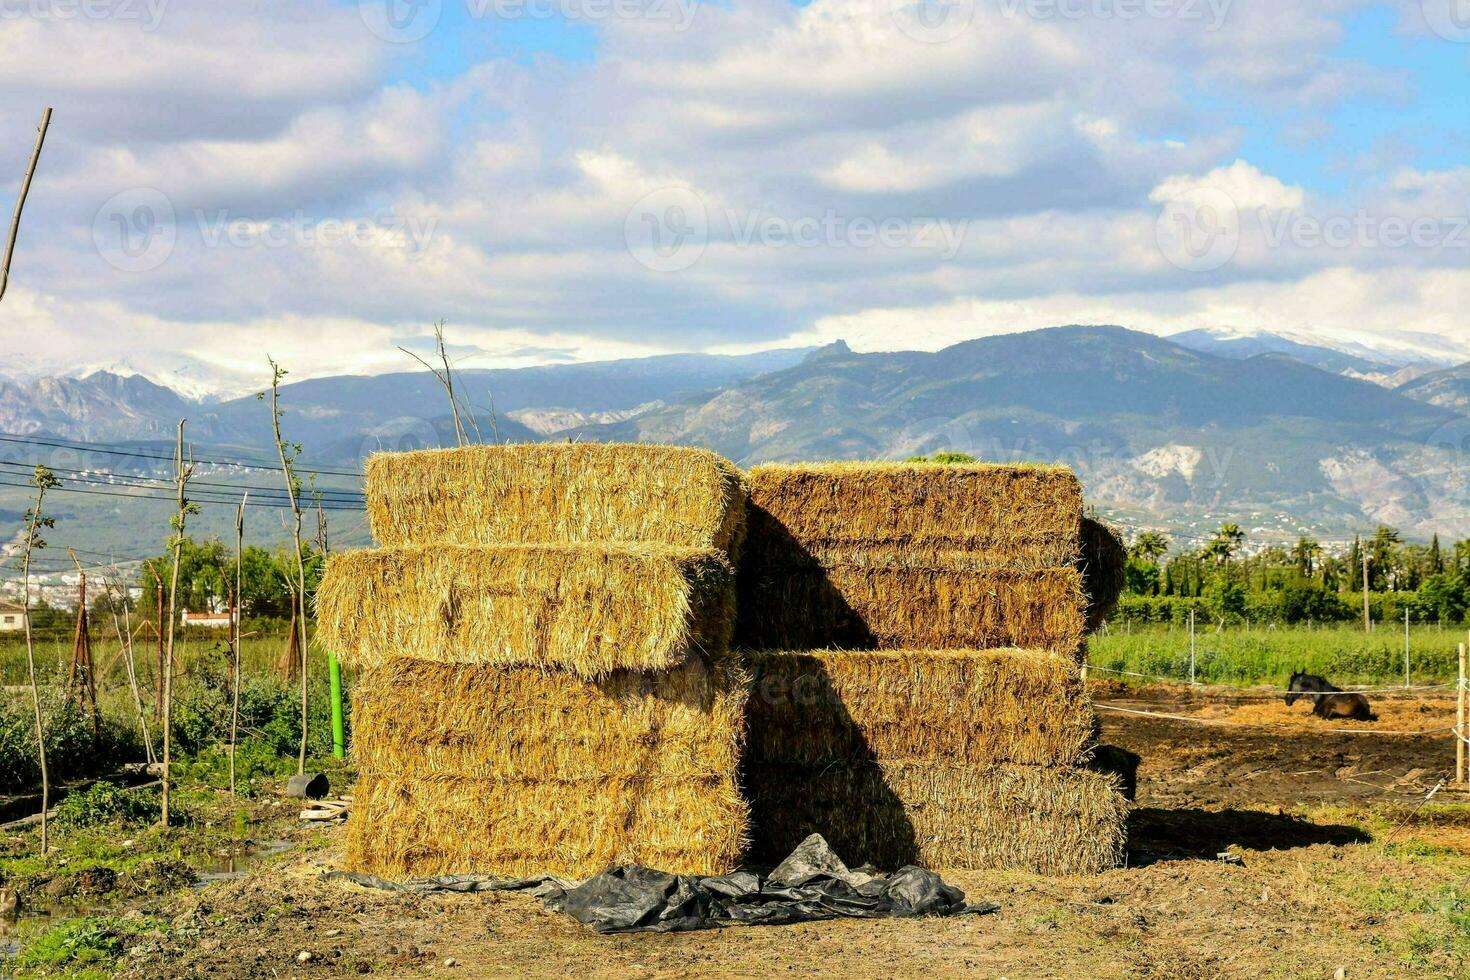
1406,648
1460,724
1191,645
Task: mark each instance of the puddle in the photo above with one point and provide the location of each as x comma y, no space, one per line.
233,866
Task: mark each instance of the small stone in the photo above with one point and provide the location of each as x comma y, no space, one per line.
451,961
332,933
309,785
305,956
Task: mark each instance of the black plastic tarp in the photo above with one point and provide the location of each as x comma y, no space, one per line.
810,885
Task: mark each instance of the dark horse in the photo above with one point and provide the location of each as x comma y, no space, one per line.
1326,703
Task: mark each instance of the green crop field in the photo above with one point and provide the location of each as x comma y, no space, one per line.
1249,656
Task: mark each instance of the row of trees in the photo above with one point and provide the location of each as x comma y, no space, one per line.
1303,581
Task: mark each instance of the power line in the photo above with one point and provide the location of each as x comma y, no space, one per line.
231,500
95,476
140,454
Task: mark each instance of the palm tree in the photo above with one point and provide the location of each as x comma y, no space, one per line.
1223,546
1306,551
1150,546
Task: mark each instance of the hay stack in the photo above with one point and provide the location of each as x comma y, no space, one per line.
974,707
905,555
547,684
1042,819
449,721
520,772
587,608
944,758
556,494
954,730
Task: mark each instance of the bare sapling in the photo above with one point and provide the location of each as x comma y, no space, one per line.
82,677
445,377
289,453
122,625
183,472
43,479
235,636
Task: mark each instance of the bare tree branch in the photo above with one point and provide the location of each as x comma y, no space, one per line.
20,201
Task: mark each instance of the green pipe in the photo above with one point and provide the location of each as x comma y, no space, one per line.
339,740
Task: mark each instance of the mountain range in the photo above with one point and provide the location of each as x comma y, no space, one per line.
1179,433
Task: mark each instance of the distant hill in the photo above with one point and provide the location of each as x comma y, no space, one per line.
1447,388
1152,426
1162,434
100,406
1252,345
343,411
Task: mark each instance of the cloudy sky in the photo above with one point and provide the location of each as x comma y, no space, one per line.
579,179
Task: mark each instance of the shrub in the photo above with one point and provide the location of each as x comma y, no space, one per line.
107,803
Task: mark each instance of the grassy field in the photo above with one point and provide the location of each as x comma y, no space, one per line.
1247,656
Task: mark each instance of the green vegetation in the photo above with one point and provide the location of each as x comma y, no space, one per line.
270,722
1268,655
1219,583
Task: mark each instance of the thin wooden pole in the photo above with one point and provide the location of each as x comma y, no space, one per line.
1367,620
1406,647
20,201
1460,723
1191,646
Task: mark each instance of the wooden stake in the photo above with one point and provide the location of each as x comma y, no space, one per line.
1460,724
1367,621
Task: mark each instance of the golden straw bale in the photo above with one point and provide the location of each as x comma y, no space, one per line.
978,516
971,707
556,493
591,609
854,607
1102,560
406,828
1043,819
477,721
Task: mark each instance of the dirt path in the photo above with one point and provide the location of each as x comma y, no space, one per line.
1338,869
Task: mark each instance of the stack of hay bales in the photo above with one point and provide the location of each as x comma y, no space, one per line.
544,639
914,632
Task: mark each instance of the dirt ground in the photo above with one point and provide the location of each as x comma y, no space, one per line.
1340,865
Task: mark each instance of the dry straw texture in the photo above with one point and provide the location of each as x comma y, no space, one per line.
572,494
404,828
478,722
852,607
586,608
915,515
1102,560
920,555
968,707
1047,820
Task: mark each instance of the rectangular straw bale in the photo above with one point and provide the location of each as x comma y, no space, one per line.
480,722
560,493
1047,820
591,609
407,828
971,516
854,607
971,707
